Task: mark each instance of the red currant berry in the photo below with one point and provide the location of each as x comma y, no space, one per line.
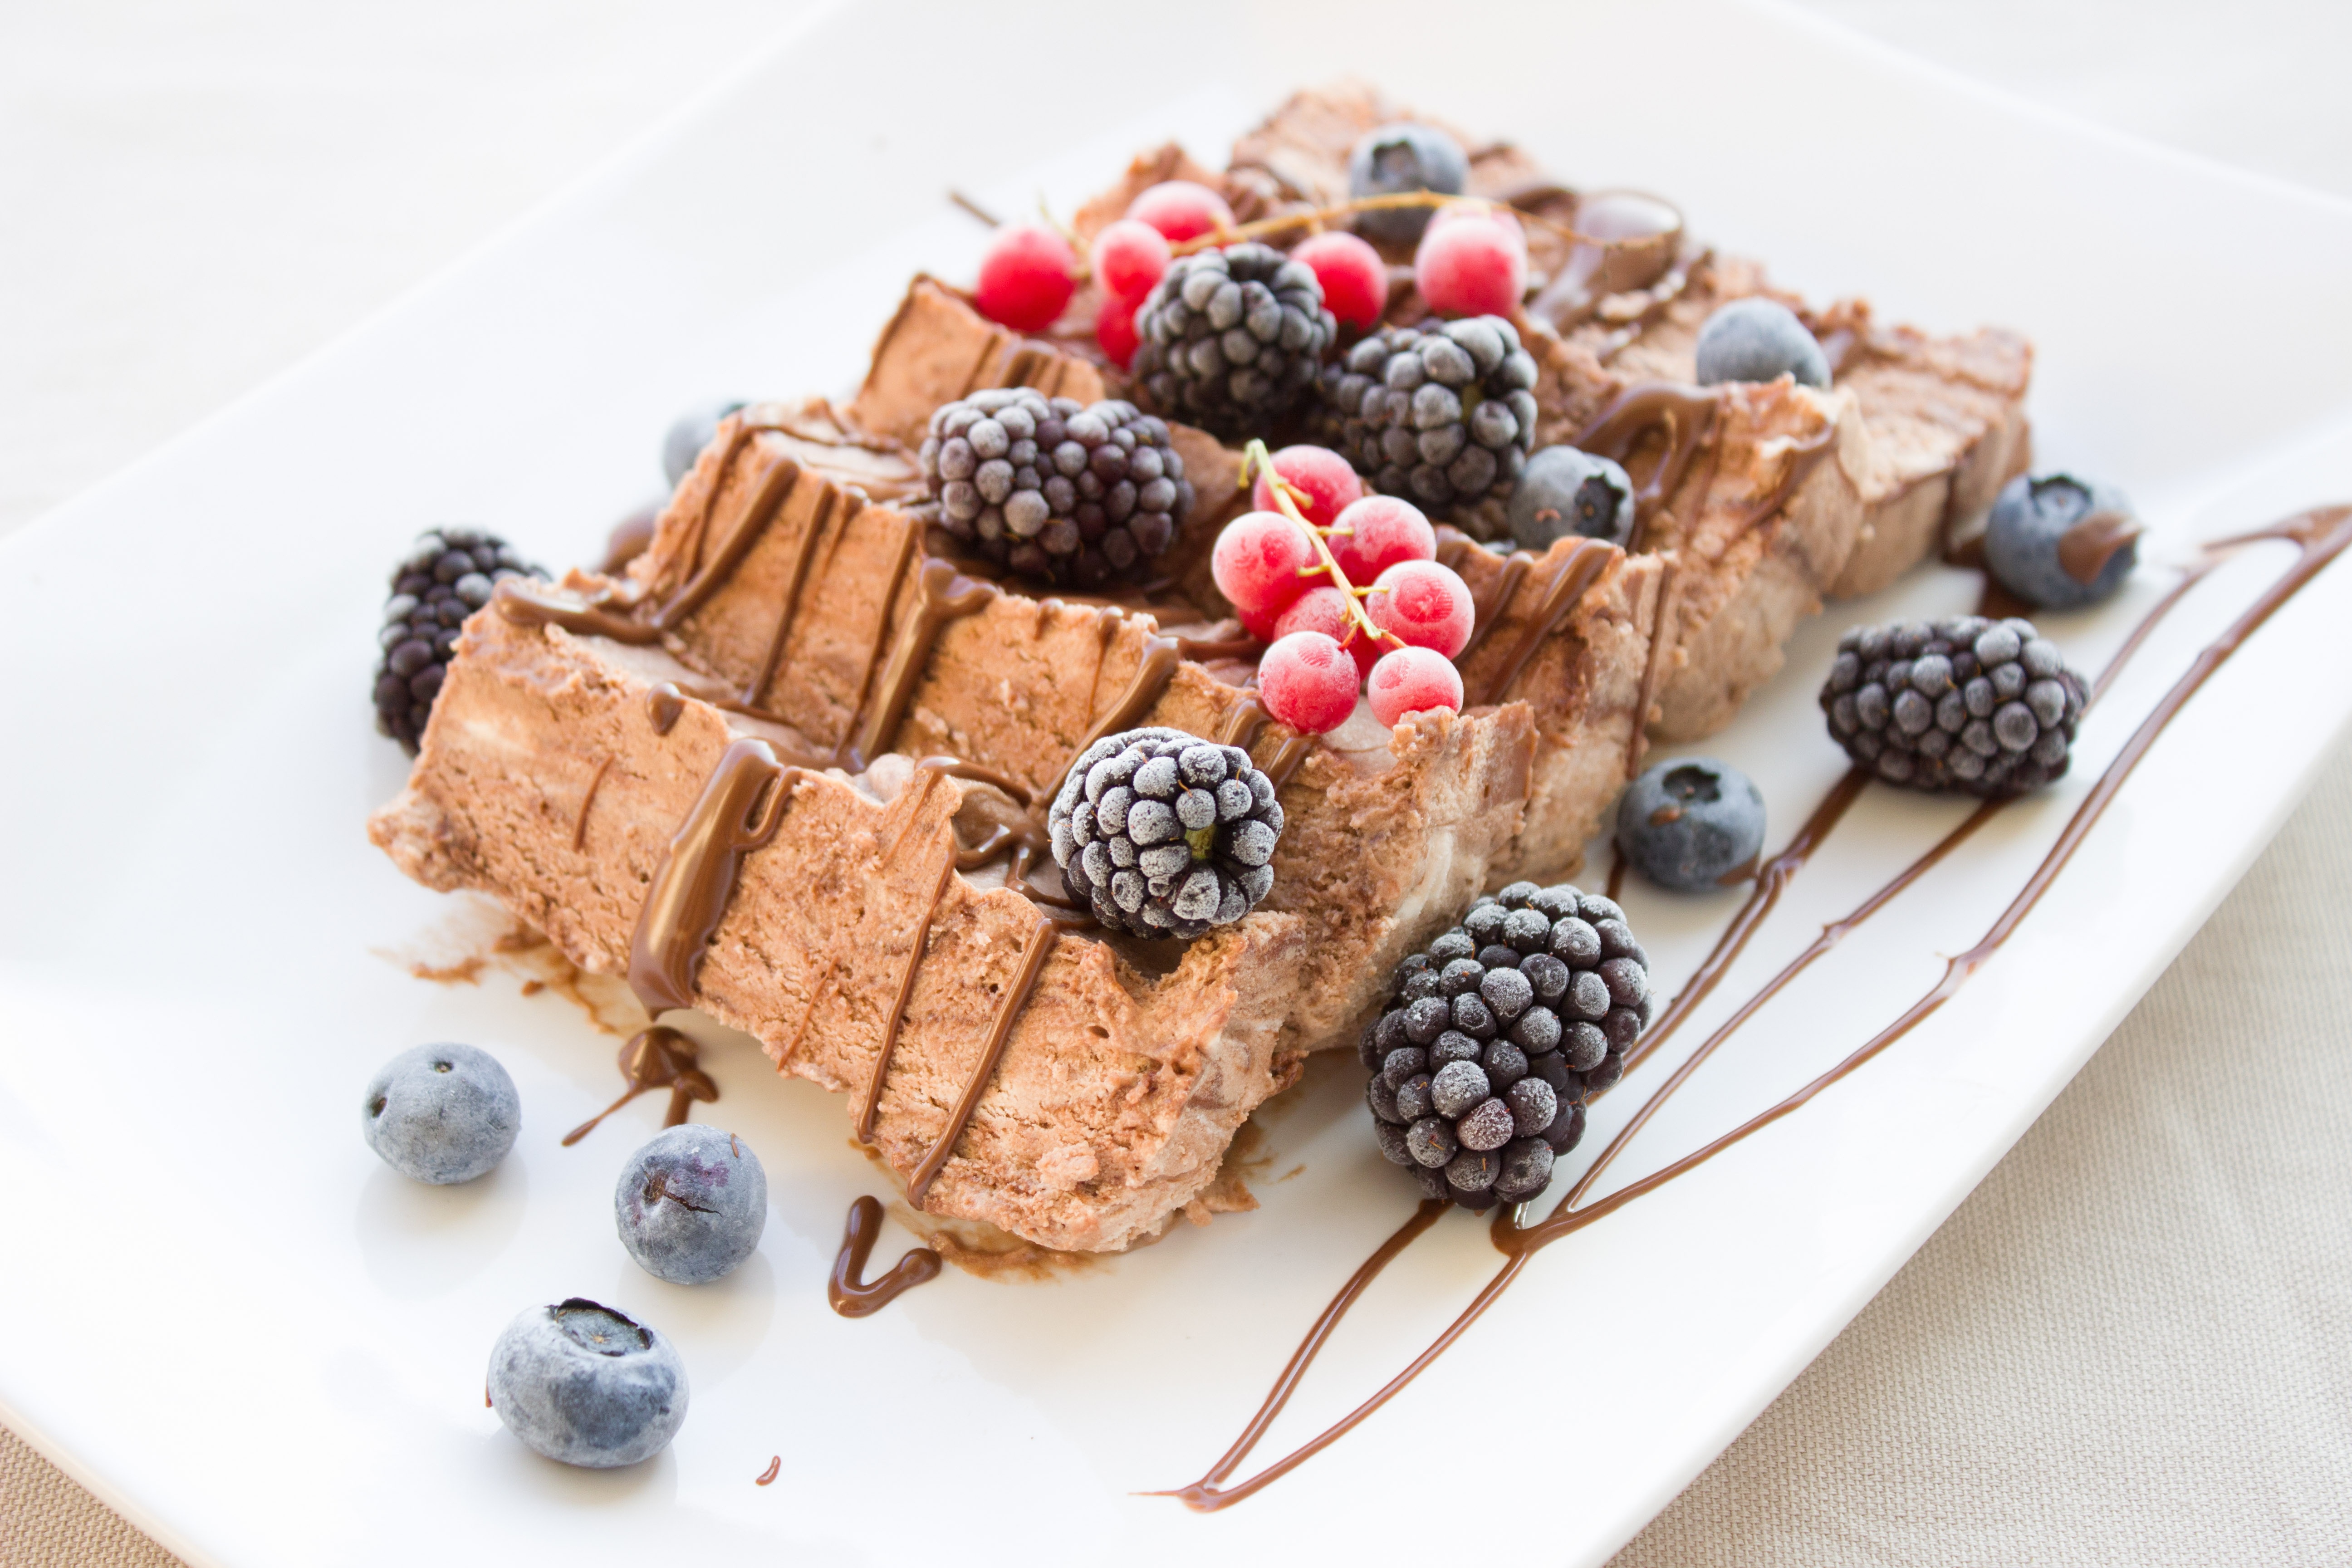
1129,258
1308,682
1183,210
1114,331
1472,262
1425,604
1355,279
1413,680
1259,623
1327,485
1027,277
1325,610
1382,530
1258,559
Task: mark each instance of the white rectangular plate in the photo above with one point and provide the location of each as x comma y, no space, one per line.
229,1318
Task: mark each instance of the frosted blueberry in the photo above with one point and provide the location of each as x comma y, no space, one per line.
2060,542
691,1203
1756,339
1690,824
441,1114
587,1385
1563,491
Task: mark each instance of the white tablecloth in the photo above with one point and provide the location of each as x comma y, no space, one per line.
2132,1345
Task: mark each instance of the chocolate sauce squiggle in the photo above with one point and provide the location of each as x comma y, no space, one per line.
1685,415
658,1057
696,879
1577,571
2321,535
1008,1009
854,1296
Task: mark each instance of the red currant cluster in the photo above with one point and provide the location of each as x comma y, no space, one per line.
1029,272
1291,568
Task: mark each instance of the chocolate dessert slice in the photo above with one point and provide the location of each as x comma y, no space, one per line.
591,741
1943,418
1939,423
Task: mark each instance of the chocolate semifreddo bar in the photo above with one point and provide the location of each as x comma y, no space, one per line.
1933,428
1073,1088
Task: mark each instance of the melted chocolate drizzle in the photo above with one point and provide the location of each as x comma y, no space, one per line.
739,810
1009,1005
854,1296
658,1057
1685,416
1576,573
2319,535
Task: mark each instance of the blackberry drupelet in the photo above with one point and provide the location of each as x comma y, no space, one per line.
1965,705
1443,415
1229,338
1054,490
1163,834
445,578
1493,1035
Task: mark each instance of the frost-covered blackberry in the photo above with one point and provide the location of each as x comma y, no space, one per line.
446,576
1494,1035
1230,339
1443,415
1055,491
1965,704
1164,833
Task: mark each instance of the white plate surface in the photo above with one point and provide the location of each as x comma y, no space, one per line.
226,1317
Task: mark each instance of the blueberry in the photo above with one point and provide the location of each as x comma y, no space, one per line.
1758,339
694,430
441,1114
1689,823
1398,158
585,1384
691,1203
2059,543
1563,491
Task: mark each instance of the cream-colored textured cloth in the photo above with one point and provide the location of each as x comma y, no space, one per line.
46,1521
2132,1345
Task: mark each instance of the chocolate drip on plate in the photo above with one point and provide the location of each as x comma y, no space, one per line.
853,1295
658,1057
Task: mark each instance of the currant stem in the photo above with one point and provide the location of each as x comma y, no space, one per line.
1255,460
1316,217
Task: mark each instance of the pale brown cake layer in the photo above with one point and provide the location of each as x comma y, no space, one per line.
1943,418
1118,1089
916,365
1020,685
1388,836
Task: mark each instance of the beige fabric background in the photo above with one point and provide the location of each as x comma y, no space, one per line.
2132,1345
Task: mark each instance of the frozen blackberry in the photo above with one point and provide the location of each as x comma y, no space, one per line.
1054,490
1229,338
1494,1034
1164,833
1442,415
445,578
1965,704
